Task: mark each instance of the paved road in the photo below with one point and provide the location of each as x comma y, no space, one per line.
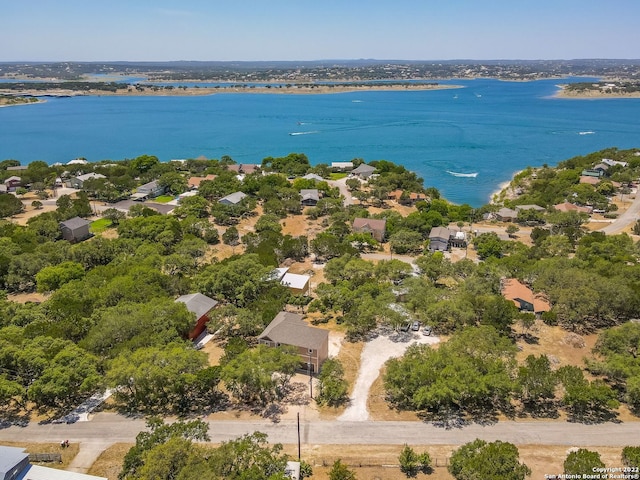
627,218
344,190
109,427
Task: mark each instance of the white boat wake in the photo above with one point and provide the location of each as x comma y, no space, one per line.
304,133
589,132
467,175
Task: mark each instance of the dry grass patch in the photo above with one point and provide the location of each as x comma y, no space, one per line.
68,454
109,463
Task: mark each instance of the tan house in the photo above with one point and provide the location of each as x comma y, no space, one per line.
570,207
194,182
523,297
374,227
290,329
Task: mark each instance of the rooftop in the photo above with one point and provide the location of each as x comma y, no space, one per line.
290,329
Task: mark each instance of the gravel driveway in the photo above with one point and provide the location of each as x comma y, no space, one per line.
375,353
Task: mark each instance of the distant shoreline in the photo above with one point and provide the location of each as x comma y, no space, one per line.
591,94
203,91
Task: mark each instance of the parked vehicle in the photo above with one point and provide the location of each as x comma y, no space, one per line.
426,330
415,326
405,327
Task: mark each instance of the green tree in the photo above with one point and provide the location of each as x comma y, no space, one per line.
406,241
537,382
159,434
481,460
339,471
260,375
10,205
582,462
488,245
52,277
153,378
409,461
231,236
333,386
631,456
71,375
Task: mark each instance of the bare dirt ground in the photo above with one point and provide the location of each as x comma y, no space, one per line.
68,453
380,462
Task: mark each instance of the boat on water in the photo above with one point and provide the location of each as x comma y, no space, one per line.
466,175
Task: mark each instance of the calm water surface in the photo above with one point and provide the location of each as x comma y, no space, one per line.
489,127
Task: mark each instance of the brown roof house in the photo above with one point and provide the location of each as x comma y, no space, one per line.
290,329
194,182
75,229
374,227
523,297
200,305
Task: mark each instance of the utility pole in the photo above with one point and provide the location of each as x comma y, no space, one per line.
298,436
310,377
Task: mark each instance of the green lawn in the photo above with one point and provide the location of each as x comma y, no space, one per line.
338,176
100,226
163,199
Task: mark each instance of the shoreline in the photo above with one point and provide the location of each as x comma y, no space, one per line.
204,91
592,95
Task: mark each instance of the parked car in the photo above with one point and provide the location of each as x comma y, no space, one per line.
426,330
415,326
405,327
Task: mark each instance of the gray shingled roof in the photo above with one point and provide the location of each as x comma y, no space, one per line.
363,168
440,232
75,222
289,329
197,303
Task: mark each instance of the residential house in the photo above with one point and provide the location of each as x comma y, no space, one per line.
376,228
244,168
506,214
77,161
342,166
4,189
590,172
570,207
523,297
78,181
18,168
297,283
602,168
12,183
313,176
75,229
363,171
149,190
194,182
15,464
233,198
200,305
439,239
290,329
537,208
395,195
606,161
416,197
309,197
589,180
458,239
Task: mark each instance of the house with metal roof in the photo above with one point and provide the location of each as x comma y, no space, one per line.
200,305
233,198
15,465
290,329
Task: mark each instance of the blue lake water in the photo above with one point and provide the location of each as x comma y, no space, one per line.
491,127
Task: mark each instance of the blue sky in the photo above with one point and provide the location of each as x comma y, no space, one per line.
136,30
